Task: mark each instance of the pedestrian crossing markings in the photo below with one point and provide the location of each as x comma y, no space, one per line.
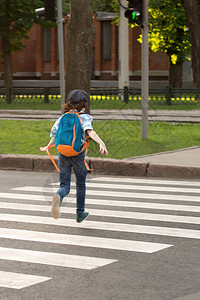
19,281
130,190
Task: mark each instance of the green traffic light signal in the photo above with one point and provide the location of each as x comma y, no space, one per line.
136,16
135,12
133,15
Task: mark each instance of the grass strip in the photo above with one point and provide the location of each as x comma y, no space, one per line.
123,138
103,102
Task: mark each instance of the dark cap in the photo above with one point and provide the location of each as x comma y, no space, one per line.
78,96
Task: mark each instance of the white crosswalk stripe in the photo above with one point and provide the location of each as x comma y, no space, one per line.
168,231
113,198
54,259
146,181
117,194
69,222
136,187
156,206
166,197
87,241
19,281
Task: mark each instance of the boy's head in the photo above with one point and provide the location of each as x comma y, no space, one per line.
76,99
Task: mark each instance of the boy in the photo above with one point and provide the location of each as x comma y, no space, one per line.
76,100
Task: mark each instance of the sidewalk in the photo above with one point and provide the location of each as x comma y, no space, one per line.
182,116
180,164
188,157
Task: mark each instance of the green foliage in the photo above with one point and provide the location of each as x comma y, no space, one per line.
103,5
168,30
66,7
116,7
16,19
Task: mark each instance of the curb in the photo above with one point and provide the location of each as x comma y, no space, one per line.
101,166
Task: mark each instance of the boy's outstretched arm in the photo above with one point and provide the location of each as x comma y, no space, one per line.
49,144
93,135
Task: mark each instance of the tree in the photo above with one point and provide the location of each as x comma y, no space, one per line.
192,9
168,33
80,40
16,19
98,5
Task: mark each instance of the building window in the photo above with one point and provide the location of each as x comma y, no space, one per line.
47,44
107,40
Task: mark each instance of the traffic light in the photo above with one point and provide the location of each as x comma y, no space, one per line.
49,10
135,12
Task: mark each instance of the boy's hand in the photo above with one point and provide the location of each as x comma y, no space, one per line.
103,149
51,143
43,149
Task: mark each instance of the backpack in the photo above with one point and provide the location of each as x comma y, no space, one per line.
69,137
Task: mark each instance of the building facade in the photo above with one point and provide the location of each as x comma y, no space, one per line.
39,59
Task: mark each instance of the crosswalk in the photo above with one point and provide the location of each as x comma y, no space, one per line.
115,205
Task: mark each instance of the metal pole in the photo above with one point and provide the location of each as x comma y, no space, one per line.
145,70
123,47
61,51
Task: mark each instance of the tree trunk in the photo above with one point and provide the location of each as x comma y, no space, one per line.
193,20
175,75
7,60
80,40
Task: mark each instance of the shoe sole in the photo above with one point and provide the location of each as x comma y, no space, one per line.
55,209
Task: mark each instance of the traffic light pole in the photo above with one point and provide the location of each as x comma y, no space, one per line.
61,51
123,48
145,70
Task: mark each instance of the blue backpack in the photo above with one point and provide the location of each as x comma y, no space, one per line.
69,136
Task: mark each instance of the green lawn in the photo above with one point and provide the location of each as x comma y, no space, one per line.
31,106
100,105
123,138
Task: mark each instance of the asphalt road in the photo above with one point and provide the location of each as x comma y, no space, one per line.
140,242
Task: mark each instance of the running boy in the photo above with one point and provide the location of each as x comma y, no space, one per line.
76,100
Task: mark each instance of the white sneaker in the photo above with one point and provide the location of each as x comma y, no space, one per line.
55,209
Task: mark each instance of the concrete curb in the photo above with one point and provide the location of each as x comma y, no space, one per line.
174,172
101,166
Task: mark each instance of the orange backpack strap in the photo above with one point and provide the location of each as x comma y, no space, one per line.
86,164
55,165
85,146
50,156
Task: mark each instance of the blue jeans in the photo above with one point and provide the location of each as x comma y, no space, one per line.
65,165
